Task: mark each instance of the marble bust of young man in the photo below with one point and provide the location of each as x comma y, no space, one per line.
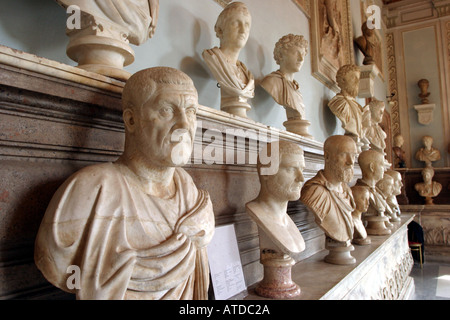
328,195
236,82
136,228
345,107
428,153
289,54
280,240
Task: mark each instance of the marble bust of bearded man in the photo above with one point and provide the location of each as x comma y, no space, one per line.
136,228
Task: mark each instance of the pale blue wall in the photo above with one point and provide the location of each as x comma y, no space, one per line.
420,50
185,29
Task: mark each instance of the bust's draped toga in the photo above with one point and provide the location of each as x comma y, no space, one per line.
235,80
126,243
332,210
284,92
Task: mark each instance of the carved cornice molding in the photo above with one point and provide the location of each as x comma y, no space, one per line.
414,11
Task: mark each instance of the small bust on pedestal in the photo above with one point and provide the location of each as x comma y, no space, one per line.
330,198
428,188
371,163
428,153
289,54
361,196
374,133
280,240
236,82
386,186
397,190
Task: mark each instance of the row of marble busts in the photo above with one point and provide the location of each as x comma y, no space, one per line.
337,207
138,228
426,154
237,83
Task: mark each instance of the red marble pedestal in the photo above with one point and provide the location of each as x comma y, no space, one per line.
277,282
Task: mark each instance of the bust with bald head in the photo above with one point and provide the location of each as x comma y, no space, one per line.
137,228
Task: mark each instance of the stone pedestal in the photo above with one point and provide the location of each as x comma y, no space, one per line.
339,252
367,80
100,46
235,105
425,113
277,282
362,241
381,272
299,127
377,226
101,55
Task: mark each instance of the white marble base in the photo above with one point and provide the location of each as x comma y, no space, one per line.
425,113
367,81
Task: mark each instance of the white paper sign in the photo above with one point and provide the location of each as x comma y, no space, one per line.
225,263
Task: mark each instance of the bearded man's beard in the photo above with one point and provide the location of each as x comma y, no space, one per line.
344,174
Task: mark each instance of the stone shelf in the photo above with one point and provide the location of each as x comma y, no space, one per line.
381,271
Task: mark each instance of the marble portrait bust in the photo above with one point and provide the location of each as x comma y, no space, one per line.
397,190
361,197
399,153
428,153
328,195
280,240
374,133
100,43
424,94
371,163
136,228
386,187
289,54
236,82
367,43
428,188
345,107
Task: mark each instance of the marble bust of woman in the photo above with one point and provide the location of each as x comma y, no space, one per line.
236,82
